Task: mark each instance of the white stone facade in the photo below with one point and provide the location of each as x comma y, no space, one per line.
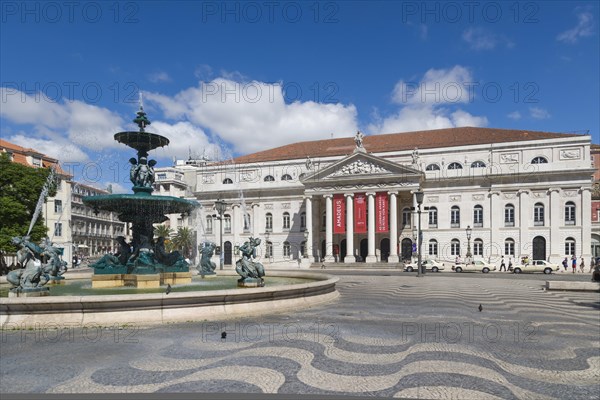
521,198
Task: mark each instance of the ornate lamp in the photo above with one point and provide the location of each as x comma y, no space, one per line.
469,231
419,197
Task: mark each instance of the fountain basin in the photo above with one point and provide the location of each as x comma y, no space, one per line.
159,308
128,206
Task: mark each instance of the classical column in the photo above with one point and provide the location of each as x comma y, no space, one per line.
349,257
393,257
309,226
255,219
556,220
328,256
371,257
496,215
524,223
586,225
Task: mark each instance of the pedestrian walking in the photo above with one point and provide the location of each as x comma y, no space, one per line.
574,263
592,264
582,265
565,263
510,267
502,264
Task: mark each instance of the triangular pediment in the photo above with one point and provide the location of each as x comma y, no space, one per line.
361,165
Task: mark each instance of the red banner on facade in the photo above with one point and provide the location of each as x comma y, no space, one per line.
381,212
360,213
339,214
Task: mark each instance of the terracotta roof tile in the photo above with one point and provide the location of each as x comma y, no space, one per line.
450,137
20,154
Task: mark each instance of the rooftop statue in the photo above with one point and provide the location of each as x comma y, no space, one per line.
358,139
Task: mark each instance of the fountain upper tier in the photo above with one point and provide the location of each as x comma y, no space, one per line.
142,141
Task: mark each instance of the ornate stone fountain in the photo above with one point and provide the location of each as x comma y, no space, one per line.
143,262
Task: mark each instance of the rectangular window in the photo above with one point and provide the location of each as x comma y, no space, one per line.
58,229
269,223
478,248
569,248
570,215
509,216
509,248
538,216
406,218
58,206
227,224
455,218
478,217
433,218
433,248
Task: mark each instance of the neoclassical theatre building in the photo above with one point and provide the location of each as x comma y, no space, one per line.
352,200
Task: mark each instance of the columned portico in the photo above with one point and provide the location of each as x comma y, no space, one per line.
393,257
371,257
349,256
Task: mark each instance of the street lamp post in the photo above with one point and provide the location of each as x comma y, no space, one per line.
469,255
419,197
220,206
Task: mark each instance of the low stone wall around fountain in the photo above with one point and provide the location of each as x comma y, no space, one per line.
159,308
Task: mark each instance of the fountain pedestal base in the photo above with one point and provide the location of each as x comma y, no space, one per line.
29,292
175,278
118,280
250,282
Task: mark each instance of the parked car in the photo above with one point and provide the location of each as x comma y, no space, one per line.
475,266
430,265
536,266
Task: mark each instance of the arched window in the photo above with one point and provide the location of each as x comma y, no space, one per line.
539,160
268,222
538,214
569,246
454,165
509,215
433,247
269,249
433,217
509,247
406,217
286,177
269,178
209,224
227,181
287,249
478,247
432,167
569,213
477,164
227,223
455,217
455,247
286,220
302,220
478,216
247,223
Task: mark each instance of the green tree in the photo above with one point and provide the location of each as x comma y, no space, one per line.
162,230
20,188
184,241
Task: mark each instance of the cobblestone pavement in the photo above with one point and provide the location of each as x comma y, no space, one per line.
386,335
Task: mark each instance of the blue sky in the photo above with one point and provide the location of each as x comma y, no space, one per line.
230,78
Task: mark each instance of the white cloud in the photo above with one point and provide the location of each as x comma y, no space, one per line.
514,115
482,39
427,104
183,136
438,86
253,115
57,147
539,113
584,27
160,76
61,129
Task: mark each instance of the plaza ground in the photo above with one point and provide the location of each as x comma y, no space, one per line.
389,334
